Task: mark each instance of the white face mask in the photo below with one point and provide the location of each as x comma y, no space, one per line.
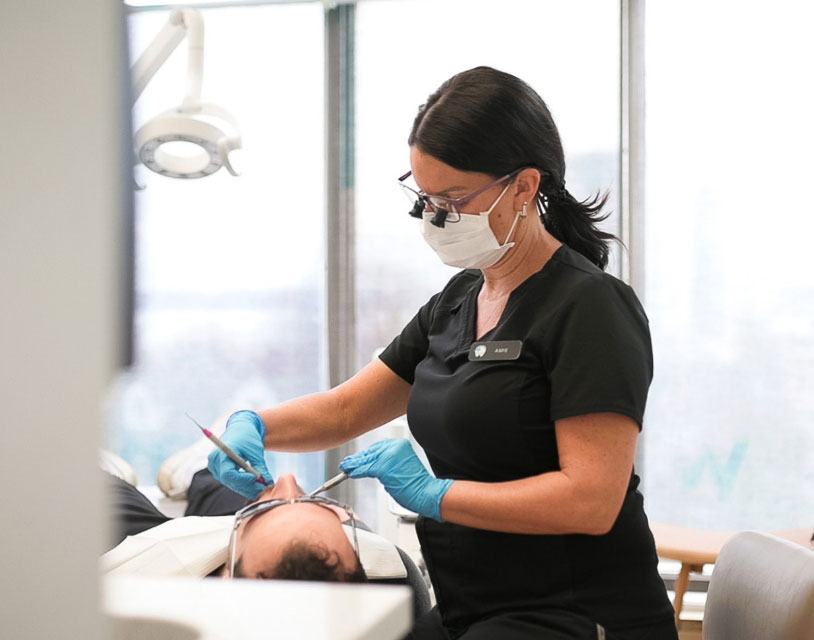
468,243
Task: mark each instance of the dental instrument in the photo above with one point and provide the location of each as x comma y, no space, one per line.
330,484
240,462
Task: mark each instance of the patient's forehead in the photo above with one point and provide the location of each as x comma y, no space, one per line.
263,539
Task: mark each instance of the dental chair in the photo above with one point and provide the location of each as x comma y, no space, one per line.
762,588
421,594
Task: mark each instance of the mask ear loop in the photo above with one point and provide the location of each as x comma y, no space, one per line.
520,214
514,224
499,198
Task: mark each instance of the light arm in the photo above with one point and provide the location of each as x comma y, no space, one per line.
182,23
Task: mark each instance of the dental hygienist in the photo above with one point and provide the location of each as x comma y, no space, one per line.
524,379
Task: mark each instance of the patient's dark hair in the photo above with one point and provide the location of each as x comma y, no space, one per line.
303,561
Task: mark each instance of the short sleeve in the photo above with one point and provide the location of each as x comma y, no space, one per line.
600,354
409,348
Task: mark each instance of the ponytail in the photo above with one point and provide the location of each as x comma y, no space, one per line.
574,222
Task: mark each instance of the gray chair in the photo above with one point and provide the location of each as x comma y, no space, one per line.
762,588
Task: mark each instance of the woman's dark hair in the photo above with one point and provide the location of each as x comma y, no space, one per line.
303,561
491,122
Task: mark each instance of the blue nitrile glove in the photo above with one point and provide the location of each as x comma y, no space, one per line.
403,475
245,435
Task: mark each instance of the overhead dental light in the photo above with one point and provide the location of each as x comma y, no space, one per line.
195,139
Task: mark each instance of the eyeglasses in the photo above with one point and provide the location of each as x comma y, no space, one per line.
267,505
446,209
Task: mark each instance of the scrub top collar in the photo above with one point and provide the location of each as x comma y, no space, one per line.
469,304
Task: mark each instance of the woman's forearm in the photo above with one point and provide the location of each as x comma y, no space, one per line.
596,454
550,503
327,419
309,423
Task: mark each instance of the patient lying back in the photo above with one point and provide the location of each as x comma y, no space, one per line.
297,541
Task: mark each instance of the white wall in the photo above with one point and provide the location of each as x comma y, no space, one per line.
61,210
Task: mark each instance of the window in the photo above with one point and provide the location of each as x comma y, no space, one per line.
729,282
229,271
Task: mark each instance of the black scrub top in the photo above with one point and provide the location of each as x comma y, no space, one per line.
585,349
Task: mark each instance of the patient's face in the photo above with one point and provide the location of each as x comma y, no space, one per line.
264,537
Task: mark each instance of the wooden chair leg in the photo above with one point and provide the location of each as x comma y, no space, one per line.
682,583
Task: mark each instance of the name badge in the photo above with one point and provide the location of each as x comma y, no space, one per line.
497,350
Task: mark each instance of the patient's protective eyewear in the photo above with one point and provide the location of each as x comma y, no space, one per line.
265,506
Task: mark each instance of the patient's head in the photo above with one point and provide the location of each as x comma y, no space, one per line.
298,541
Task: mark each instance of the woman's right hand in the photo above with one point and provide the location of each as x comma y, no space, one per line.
245,434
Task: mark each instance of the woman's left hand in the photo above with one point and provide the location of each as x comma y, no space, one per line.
403,475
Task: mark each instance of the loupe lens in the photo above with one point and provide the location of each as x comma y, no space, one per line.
440,218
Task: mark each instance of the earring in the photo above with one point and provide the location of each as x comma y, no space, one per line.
524,213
